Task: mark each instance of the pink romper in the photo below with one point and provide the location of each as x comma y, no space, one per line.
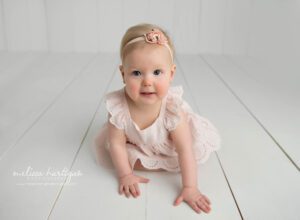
153,145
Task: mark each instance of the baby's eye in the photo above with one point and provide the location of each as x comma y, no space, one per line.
157,72
136,73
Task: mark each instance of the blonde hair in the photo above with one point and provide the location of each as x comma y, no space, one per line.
137,31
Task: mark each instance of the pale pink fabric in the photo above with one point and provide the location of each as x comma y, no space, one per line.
152,145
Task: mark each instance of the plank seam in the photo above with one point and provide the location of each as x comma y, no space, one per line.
28,67
249,111
185,80
223,171
83,139
46,109
231,191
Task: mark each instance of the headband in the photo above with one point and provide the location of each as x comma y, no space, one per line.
153,37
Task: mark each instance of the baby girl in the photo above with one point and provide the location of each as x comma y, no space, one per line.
150,126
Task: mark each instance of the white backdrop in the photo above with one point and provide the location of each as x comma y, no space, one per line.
268,30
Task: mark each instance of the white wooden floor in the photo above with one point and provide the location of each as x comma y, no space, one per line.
51,108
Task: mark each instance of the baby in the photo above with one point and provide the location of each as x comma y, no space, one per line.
150,126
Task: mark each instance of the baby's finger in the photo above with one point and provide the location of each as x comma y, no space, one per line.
137,189
121,189
132,190
178,200
203,206
127,193
202,200
207,200
195,207
143,180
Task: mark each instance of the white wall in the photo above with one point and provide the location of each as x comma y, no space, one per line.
265,29
93,25
269,32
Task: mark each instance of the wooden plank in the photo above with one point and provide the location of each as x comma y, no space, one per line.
98,187
210,178
12,66
275,100
12,62
52,143
27,90
95,195
264,182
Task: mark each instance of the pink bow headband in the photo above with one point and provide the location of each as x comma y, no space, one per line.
153,37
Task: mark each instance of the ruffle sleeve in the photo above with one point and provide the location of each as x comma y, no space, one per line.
206,137
173,105
114,103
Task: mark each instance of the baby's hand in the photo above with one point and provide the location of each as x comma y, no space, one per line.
129,185
195,199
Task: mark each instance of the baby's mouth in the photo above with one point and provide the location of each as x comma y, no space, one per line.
148,93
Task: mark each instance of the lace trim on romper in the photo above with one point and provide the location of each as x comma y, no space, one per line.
162,154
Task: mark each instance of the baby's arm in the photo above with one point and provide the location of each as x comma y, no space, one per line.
128,182
182,139
117,141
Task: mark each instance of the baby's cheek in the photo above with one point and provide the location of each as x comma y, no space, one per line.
132,89
162,87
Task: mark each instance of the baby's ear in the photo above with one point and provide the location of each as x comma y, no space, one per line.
121,68
122,72
173,70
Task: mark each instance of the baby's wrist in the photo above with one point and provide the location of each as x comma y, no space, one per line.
125,175
189,186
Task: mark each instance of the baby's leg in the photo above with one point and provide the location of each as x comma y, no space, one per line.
138,166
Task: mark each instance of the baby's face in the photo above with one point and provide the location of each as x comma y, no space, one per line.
147,73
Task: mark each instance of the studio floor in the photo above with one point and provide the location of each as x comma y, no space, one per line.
51,108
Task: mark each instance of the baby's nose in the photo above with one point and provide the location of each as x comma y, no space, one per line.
147,81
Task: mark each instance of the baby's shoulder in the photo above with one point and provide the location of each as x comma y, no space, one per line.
115,105
174,99
173,107
175,91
